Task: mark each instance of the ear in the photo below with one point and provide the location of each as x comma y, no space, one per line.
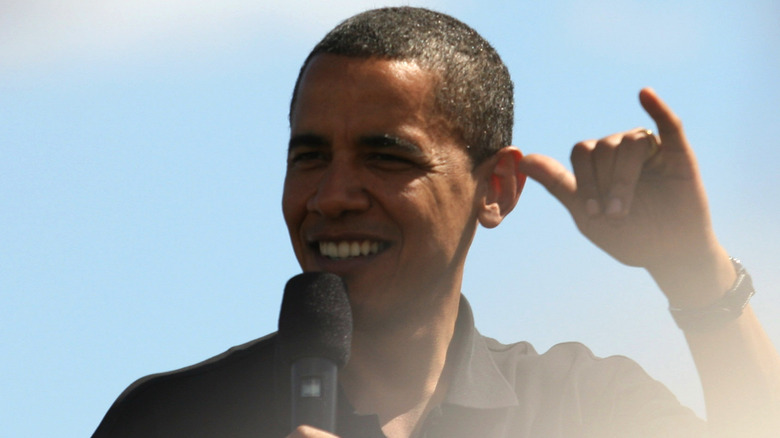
503,183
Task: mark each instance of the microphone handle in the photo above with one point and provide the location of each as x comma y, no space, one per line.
314,393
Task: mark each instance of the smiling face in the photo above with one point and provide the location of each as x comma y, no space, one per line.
378,190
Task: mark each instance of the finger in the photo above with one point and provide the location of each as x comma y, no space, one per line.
634,151
587,185
552,175
670,129
305,431
603,163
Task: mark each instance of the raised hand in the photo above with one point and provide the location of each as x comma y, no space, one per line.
641,199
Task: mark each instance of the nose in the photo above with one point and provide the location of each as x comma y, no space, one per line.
340,191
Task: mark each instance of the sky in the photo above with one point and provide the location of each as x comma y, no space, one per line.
142,150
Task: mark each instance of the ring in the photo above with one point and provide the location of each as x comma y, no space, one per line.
653,143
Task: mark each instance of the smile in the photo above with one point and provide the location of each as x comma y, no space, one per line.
348,249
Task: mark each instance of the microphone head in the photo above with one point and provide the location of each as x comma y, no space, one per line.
315,319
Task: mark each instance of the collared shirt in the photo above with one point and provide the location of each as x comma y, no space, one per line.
497,391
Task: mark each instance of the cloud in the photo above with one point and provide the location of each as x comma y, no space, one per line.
43,33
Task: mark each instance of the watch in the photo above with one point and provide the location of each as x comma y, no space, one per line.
728,308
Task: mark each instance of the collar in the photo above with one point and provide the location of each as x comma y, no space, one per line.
477,381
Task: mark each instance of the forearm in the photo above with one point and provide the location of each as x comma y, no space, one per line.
738,366
739,370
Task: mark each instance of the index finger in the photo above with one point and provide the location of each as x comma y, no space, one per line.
552,175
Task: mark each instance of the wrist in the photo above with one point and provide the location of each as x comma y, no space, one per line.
728,308
695,279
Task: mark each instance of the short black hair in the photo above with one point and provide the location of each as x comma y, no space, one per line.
474,90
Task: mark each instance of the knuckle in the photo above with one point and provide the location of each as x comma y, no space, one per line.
635,135
580,151
676,122
605,146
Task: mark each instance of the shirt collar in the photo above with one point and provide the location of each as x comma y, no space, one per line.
477,381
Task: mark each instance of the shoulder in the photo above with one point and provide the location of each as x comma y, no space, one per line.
221,365
565,367
561,359
237,375
573,386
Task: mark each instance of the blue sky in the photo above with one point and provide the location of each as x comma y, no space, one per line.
143,148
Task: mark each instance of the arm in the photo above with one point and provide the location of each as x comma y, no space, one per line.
646,206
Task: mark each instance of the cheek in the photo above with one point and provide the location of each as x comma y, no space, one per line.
443,200
449,214
293,218
427,214
293,205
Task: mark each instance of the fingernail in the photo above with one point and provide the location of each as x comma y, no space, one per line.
592,207
614,207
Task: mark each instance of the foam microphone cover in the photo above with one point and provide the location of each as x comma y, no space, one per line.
315,319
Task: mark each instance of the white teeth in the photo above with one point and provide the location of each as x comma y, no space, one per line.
344,249
347,249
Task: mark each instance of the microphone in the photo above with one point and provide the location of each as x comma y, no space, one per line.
315,333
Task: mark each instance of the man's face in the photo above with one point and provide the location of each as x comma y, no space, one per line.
378,190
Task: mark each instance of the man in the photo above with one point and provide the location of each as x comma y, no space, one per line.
400,130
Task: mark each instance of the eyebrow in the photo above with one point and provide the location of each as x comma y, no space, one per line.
378,141
306,140
382,141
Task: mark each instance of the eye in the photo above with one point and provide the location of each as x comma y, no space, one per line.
389,161
388,152
306,157
388,157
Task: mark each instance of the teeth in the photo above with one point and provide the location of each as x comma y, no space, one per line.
346,249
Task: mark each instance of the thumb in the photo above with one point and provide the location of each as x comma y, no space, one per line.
552,175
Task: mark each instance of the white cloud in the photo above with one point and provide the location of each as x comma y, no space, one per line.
35,33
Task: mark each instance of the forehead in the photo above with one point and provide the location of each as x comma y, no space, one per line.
333,84
379,71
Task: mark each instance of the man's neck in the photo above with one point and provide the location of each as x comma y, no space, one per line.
400,374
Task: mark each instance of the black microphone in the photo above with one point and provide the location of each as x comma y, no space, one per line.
315,333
